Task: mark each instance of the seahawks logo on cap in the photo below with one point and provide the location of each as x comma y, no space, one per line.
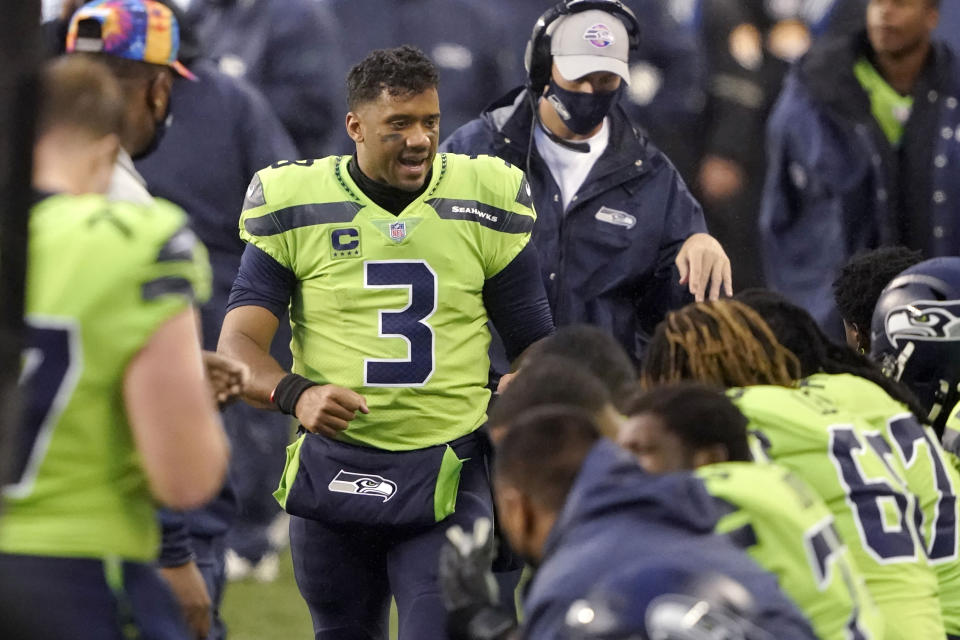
363,484
923,320
599,35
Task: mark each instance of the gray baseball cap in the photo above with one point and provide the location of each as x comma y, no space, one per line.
590,41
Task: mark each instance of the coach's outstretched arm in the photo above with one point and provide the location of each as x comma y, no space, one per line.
259,298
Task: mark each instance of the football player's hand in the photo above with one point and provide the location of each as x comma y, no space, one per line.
328,409
703,263
188,586
227,376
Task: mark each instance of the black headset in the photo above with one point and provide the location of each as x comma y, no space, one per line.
538,60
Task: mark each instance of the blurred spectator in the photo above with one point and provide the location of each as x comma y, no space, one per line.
223,131
287,50
863,152
461,37
748,46
615,220
949,28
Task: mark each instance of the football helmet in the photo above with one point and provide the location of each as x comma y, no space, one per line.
665,601
915,333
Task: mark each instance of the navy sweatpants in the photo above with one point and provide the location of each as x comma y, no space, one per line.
45,598
347,574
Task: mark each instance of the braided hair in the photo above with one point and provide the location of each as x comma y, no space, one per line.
724,343
796,330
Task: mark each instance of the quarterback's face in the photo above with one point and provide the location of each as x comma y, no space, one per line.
397,137
657,449
899,27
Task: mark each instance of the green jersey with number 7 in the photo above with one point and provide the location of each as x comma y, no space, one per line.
101,279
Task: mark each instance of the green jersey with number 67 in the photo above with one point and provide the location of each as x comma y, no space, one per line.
788,530
391,306
101,279
849,464
929,473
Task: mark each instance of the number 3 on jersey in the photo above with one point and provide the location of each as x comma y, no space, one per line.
408,323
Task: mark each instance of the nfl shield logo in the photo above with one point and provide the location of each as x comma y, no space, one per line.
398,231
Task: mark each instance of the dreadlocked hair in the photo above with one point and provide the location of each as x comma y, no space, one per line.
861,281
724,343
796,330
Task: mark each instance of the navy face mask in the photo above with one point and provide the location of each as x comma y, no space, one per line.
581,112
159,131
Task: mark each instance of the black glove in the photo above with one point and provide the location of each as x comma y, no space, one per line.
468,587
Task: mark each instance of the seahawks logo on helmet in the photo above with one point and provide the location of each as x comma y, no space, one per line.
923,321
363,484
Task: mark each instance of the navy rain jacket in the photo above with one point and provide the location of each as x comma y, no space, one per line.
617,514
608,259
835,186
223,131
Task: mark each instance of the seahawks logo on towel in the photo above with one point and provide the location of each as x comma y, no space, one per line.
923,320
364,484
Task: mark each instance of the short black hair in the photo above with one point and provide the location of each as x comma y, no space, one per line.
700,415
543,452
595,350
796,330
858,287
402,71
549,380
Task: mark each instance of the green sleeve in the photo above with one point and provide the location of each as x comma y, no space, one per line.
259,223
516,197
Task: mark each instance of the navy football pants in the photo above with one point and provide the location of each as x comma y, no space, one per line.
347,574
73,599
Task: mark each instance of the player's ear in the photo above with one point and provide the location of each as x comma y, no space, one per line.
710,454
158,94
513,510
354,127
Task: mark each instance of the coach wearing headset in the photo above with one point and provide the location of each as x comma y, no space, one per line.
620,239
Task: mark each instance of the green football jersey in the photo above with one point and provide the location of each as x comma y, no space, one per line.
847,462
391,306
929,473
101,279
788,530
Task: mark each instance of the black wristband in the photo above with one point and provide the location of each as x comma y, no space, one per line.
288,392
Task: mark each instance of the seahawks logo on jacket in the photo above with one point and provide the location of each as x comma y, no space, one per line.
924,320
363,484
